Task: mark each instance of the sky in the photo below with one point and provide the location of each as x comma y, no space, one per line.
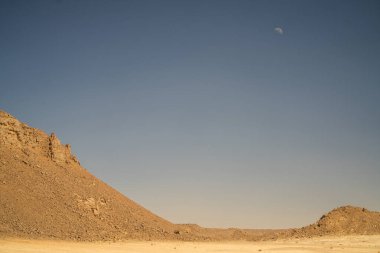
250,114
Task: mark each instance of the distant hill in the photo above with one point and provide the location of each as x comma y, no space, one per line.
344,220
45,193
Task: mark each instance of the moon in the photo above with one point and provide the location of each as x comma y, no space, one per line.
279,30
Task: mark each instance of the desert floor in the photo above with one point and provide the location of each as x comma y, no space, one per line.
365,244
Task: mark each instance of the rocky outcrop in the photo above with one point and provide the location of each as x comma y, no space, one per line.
18,135
60,153
33,141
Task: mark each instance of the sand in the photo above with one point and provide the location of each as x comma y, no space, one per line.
359,244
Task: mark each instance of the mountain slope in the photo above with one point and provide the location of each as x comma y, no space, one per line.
45,191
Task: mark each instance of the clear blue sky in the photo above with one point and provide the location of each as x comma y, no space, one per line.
201,111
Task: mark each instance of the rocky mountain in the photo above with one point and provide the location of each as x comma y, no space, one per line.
45,192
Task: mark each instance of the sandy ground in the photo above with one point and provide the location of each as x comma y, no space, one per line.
364,244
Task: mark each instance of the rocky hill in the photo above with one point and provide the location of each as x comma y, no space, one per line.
46,193
345,220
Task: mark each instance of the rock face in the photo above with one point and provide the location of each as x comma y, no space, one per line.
60,153
15,134
32,141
